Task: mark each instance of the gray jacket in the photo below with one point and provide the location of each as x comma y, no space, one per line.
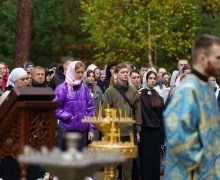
97,97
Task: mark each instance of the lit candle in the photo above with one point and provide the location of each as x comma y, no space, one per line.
120,114
125,114
115,113
107,106
132,138
119,135
100,109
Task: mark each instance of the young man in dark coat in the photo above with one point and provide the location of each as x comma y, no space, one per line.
60,73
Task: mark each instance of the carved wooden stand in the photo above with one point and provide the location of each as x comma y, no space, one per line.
26,123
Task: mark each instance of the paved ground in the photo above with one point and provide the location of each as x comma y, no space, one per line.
100,176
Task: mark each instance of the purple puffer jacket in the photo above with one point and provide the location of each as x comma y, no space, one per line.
74,106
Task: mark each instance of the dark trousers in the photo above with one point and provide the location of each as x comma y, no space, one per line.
136,161
125,170
150,153
10,170
61,142
135,171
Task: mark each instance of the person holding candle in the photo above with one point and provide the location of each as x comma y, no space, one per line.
151,131
76,103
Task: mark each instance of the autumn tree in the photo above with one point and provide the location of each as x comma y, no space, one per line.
57,32
210,17
120,29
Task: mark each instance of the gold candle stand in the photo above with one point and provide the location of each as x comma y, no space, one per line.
110,127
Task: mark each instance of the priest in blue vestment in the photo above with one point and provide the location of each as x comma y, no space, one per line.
192,119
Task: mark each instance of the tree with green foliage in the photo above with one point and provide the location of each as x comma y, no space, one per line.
210,17
57,32
8,11
120,29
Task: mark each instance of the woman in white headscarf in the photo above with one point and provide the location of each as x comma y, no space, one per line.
91,67
17,78
152,134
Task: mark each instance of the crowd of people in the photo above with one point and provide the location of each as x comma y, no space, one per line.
173,111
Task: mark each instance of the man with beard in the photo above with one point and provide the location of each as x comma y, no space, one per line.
192,119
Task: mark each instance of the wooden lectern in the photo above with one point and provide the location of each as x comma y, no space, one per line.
27,117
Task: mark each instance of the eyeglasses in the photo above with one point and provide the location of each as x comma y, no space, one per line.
24,79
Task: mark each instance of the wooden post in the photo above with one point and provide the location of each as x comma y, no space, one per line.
23,171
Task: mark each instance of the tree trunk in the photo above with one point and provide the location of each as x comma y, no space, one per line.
149,43
23,33
155,57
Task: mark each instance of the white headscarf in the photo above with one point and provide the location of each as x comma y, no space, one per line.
70,75
173,77
91,67
14,75
145,80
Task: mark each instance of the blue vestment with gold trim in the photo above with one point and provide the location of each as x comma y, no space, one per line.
192,126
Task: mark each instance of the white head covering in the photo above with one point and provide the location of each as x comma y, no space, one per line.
14,75
91,67
173,77
177,83
145,80
70,75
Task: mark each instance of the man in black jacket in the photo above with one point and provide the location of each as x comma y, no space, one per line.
38,75
109,72
60,73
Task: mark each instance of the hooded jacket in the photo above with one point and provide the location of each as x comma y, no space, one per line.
105,84
58,78
75,105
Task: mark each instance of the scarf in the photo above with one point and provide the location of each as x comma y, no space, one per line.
36,84
145,82
14,75
70,75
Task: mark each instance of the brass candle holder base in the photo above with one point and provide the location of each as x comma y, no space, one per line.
110,172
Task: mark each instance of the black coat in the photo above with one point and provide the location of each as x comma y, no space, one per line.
58,78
